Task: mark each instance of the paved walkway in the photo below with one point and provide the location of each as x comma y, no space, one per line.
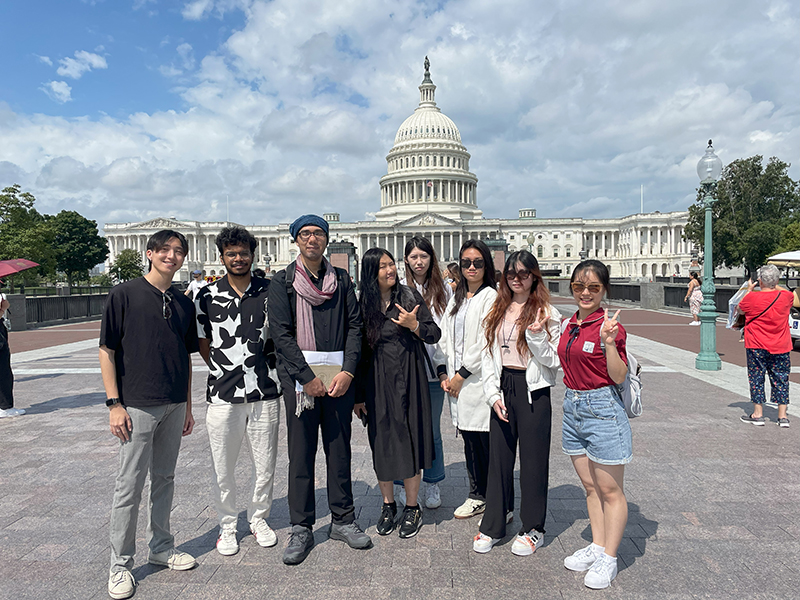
713,502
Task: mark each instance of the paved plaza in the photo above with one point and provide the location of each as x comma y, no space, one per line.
714,503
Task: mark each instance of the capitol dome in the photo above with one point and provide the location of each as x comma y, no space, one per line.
428,166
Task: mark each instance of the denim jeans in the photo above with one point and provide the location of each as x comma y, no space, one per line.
436,473
155,440
228,425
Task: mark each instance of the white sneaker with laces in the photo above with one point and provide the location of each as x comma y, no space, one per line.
400,494
483,543
173,559
433,497
601,573
470,508
11,412
583,558
526,544
226,542
265,536
121,584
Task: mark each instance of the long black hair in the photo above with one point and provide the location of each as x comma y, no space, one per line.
370,293
488,272
433,292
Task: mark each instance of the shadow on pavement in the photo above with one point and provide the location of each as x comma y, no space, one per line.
76,401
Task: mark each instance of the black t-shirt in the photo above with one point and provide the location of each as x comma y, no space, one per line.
151,350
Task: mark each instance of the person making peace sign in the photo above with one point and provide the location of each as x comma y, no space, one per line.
522,331
595,431
392,386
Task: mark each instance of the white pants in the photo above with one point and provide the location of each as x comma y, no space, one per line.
227,425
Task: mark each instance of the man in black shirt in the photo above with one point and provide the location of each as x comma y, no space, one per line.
243,390
316,325
146,338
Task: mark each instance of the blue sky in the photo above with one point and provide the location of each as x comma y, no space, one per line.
129,109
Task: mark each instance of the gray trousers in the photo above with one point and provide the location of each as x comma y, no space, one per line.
153,446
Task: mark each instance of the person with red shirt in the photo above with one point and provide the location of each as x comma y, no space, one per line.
595,431
767,342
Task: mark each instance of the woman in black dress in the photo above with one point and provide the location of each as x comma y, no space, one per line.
393,386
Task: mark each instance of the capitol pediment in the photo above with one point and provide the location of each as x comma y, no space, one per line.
159,223
428,219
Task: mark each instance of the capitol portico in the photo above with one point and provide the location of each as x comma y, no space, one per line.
429,191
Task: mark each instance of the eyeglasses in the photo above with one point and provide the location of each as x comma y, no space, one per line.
166,310
466,263
523,275
306,235
593,288
244,254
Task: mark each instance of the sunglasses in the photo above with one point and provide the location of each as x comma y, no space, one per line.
594,288
466,263
166,310
523,275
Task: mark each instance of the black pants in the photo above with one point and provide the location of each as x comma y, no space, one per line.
530,424
333,416
6,376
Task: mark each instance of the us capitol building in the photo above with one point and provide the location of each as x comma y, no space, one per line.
428,190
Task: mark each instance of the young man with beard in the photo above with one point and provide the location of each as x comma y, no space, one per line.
146,338
316,325
243,390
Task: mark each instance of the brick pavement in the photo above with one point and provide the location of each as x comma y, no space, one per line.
713,504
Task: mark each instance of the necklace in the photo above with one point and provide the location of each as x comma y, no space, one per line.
505,345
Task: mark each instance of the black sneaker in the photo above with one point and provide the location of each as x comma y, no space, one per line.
411,522
386,522
301,541
752,419
351,535
784,422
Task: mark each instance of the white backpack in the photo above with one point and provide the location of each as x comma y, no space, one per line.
629,390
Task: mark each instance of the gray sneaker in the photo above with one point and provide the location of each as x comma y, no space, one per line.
351,535
784,422
752,419
301,541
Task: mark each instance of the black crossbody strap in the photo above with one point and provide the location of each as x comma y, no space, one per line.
766,309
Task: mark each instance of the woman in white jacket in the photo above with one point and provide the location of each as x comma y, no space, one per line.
519,368
462,342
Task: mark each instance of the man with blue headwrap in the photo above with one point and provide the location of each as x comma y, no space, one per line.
315,323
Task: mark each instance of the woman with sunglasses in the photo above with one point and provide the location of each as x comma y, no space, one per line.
595,431
422,274
462,343
522,332
392,388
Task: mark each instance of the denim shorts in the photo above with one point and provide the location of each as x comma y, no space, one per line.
595,424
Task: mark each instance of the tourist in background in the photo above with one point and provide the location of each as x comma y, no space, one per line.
694,296
520,367
767,342
393,386
6,376
595,431
453,275
463,342
196,284
422,274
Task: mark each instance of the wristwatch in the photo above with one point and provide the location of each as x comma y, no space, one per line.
113,401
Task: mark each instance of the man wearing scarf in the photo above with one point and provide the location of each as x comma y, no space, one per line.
315,323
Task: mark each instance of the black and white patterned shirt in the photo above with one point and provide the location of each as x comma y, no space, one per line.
242,354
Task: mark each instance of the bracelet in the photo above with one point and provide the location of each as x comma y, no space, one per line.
416,329
350,374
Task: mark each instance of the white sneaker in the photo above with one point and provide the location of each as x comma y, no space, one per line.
433,497
11,412
470,508
400,494
226,542
173,559
121,584
483,543
695,323
601,573
583,558
526,544
263,533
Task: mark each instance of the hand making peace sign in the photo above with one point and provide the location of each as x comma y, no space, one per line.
407,319
541,319
610,328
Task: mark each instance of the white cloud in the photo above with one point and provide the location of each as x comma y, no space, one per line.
44,59
194,11
58,91
84,61
187,55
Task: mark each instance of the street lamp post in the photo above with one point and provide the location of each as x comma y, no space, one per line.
708,169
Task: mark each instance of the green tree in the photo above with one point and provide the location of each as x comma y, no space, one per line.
790,238
754,205
127,266
78,245
24,233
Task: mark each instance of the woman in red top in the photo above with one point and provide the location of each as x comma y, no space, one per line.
767,342
595,431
